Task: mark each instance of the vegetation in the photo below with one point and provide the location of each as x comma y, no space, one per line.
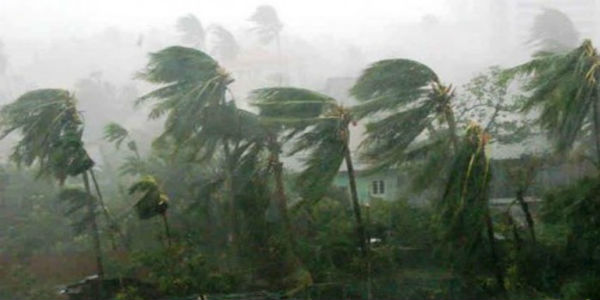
266,200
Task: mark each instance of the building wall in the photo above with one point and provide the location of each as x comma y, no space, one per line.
393,184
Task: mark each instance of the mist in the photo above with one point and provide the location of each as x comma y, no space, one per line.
299,149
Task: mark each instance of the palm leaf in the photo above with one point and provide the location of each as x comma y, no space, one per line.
50,129
191,31
151,201
115,133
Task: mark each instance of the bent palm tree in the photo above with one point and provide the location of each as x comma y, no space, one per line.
407,97
565,87
553,32
51,131
320,127
463,211
151,201
199,115
191,30
268,27
224,44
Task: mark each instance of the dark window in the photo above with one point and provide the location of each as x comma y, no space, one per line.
378,187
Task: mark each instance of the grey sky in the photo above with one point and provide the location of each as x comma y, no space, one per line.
347,18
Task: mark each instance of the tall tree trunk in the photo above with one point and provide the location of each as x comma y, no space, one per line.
95,235
167,231
360,227
280,194
494,254
449,115
230,195
525,209
114,226
597,130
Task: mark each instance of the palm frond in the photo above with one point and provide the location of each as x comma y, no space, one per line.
390,84
289,108
563,86
553,32
50,129
151,201
115,133
191,30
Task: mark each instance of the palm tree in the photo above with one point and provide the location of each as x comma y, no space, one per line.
463,211
320,127
51,130
192,32
284,118
199,114
552,32
407,97
151,201
268,27
267,24
224,44
564,86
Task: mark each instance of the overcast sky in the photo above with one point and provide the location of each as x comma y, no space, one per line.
64,18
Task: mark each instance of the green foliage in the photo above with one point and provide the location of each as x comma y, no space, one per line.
488,100
151,201
462,211
403,97
564,87
181,271
76,200
51,130
115,133
319,128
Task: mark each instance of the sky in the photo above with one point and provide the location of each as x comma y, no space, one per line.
65,18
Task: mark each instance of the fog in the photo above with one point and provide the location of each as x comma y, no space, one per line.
60,43
314,149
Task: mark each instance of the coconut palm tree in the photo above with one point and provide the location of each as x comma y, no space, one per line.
463,211
407,98
565,89
51,128
320,128
224,44
268,28
199,113
553,32
284,118
151,201
192,32
267,24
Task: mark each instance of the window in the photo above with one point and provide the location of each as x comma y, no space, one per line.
378,187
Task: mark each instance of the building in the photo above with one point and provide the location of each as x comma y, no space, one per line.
395,184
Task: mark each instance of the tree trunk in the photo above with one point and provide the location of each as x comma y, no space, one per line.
449,115
528,217
114,226
167,231
360,228
280,194
95,235
230,194
494,254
